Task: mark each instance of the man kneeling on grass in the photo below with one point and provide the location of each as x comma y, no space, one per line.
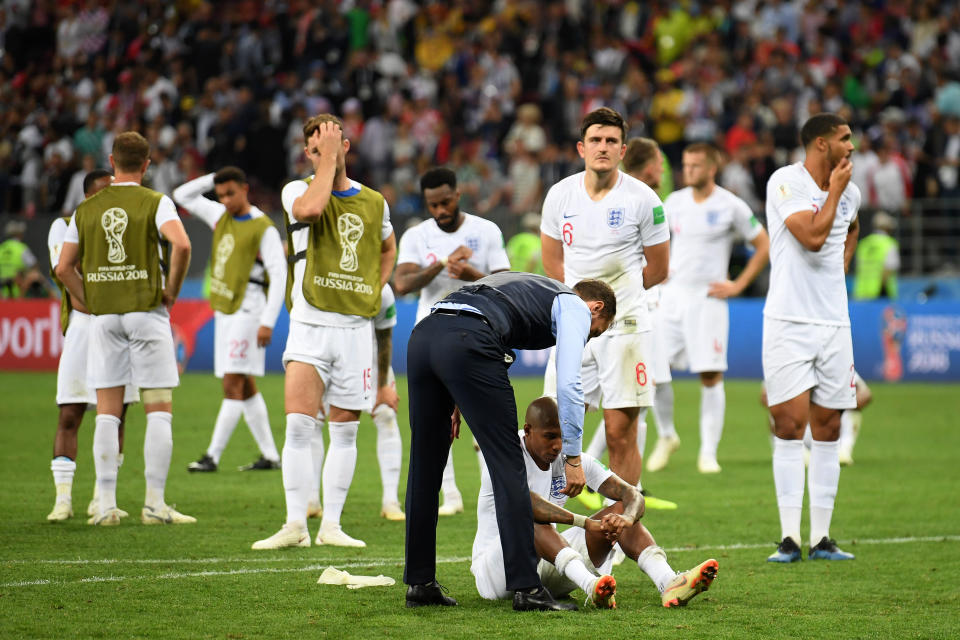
583,555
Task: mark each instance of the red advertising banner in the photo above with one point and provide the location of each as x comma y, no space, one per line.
30,337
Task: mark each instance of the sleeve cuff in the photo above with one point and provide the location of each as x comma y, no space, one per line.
573,448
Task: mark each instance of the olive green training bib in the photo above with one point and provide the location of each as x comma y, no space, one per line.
236,244
118,250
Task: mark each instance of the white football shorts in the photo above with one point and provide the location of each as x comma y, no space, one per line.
798,356
623,369
235,349
342,356
656,350
72,379
694,330
133,348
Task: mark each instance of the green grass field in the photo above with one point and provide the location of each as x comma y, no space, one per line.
898,510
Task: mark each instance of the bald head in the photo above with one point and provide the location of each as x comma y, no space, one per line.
543,412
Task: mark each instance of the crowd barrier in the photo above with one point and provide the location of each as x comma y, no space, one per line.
909,341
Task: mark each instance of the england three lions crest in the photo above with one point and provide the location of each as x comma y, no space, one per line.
473,242
615,217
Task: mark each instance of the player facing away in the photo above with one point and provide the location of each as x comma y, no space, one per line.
73,393
440,255
341,248
694,322
807,347
583,555
246,291
602,223
114,239
384,414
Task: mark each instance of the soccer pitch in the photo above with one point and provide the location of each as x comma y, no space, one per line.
897,510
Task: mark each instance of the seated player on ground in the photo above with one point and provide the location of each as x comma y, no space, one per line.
581,556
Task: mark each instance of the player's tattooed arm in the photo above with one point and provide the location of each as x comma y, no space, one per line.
409,277
616,489
546,512
386,393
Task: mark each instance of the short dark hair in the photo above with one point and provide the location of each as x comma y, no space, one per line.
130,151
230,174
640,151
707,149
92,177
819,126
437,177
601,291
604,116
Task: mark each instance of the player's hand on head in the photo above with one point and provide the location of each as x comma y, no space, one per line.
264,335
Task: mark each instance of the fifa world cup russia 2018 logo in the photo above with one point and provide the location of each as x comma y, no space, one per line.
114,222
224,249
350,228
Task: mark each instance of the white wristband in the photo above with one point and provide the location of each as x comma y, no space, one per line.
444,260
579,520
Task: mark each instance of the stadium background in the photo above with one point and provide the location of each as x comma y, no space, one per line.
495,90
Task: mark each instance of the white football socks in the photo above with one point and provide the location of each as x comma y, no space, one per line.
449,485
296,466
106,452
653,562
823,480
227,419
569,564
598,443
663,410
389,451
849,426
713,405
316,452
255,413
157,451
338,470
788,480
63,469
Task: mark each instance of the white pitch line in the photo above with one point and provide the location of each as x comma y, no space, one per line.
321,564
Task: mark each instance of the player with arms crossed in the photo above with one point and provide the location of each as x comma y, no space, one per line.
341,247
114,238
603,224
583,555
705,219
439,256
246,292
73,393
384,414
807,347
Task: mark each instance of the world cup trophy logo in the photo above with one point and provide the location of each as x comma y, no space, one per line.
224,249
114,222
350,228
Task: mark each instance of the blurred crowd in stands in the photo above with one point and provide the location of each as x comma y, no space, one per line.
494,89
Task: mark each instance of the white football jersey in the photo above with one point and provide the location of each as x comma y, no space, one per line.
806,286
302,310
426,243
546,483
605,240
58,230
702,235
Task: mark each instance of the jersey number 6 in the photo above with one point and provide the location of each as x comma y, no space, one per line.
568,234
641,374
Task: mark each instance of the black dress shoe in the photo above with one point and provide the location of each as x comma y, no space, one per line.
432,593
539,600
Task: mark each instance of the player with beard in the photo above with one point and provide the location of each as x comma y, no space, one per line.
440,255
807,346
